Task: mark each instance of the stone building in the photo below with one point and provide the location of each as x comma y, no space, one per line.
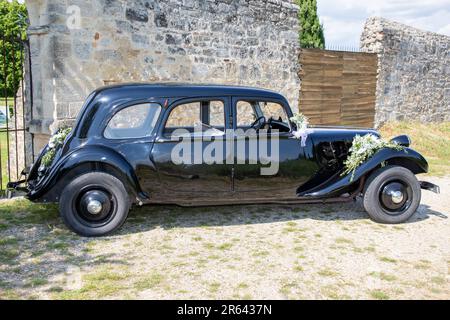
413,71
77,46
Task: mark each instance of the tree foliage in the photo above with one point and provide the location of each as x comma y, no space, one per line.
13,26
311,30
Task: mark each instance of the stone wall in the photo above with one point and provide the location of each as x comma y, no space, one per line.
413,71
203,41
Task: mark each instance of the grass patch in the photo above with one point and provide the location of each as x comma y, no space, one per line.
438,280
225,246
209,245
422,265
7,255
22,211
287,287
383,276
96,285
327,273
58,245
343,240
431,140
261,253
242,285
298,268
4,159
55,289
379,295
36,282
8,241
387,259
332,292
289,229
214,287
149,281
9,294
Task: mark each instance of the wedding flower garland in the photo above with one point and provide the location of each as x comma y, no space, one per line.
301,121
364,147
55,142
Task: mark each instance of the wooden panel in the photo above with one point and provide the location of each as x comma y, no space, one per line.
338,88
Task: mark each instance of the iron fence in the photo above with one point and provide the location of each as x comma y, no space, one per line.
15,79
337,47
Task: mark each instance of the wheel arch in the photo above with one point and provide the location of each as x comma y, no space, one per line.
91,159
338,183
408,163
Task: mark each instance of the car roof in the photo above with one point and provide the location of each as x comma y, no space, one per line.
169,89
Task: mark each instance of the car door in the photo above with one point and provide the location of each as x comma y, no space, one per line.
286,162
190,150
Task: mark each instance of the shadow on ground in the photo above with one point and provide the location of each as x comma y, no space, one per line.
148,217
36,247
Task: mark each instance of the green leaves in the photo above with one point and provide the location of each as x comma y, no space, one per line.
47,158
311,30
364,147
13,26
56,141
300,120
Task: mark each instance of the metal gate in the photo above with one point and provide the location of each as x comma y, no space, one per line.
15,100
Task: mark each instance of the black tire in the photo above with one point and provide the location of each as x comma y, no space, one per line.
382,199
103,188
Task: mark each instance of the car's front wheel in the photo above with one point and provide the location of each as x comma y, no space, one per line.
392,194
94,204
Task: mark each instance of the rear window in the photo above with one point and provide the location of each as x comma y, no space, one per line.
136,121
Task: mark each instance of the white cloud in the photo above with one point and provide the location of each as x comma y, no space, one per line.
344,19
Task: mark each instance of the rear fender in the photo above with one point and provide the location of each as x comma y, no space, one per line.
338,184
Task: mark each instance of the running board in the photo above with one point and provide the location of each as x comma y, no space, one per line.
203,203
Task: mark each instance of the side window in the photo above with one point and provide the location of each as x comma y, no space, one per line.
197,117
133,122
275,111
245,114
184,115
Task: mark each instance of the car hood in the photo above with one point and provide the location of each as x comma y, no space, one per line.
338,133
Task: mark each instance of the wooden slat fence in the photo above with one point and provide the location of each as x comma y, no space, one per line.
338,88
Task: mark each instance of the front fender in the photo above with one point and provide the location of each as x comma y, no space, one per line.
88,154
337,184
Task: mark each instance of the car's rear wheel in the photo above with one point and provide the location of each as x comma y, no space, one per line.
94,204
392,194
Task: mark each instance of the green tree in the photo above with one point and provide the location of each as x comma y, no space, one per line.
311,30
13,26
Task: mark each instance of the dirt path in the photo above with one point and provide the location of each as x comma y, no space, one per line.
253,252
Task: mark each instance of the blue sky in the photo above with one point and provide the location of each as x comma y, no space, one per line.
344,19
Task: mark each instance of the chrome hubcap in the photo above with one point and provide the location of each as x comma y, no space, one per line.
396,196
94,206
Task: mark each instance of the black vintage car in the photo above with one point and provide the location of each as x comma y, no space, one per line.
120,153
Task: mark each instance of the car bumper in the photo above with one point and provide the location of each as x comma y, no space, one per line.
17,186
430,186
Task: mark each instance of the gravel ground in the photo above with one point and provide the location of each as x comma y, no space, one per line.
251,252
